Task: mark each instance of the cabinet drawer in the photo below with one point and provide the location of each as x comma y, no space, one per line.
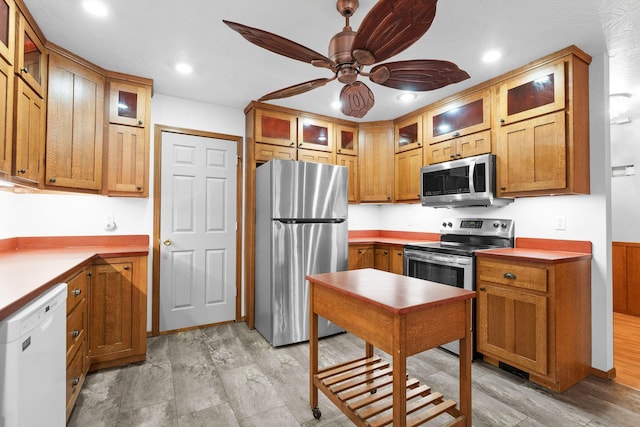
75,374
76,290
521,276
76,329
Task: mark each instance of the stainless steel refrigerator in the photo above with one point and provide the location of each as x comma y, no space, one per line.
301,229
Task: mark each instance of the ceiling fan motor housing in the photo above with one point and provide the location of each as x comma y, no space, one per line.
340,54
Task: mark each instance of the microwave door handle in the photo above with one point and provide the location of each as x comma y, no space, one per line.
472,172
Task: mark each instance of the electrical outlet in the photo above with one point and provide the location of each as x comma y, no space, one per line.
561,222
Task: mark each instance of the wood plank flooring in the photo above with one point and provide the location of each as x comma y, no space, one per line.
626,349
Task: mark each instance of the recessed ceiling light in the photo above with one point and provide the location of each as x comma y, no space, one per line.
95,7
491,55
407,97
184,68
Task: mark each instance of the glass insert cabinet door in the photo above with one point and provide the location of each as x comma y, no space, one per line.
315,134
532,94
275,127
408,134
463,116
347,139
7,30
31,58
127,104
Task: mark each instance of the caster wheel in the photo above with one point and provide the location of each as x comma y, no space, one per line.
316,413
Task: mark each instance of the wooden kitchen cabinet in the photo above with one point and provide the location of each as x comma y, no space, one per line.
346,138
7,30
275,127
536,317
316,156
351,162
375,162
77,329
408,133
382,256
625,259
31,57
396,259
458,148
75,122
458,116
407,175
361,256
266,152
542,127
29,134
118,311
127,147
6,117
315,134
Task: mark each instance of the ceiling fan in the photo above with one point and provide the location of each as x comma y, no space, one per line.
390,27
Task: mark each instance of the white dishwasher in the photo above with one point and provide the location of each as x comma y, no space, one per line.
33,362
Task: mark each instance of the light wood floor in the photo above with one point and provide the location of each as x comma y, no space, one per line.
626,349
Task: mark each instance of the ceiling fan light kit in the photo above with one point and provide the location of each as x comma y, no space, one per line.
389,28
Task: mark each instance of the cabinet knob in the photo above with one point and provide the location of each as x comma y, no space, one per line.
509,276
75,381
453,156
502,120
140,122
76,292
385,252
52,180
339,150
458,155
139,188
24,70
300,144
419,144
503,188
456,134
126,267
292,143
22,171
483,289
75,333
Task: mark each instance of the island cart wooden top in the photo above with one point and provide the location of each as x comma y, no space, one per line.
401,316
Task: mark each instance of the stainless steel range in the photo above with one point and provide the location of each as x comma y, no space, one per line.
451,261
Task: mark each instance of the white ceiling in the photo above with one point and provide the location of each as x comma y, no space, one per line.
147,37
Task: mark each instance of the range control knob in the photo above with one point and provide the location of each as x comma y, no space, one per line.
504,225
496,224
450,224
444,224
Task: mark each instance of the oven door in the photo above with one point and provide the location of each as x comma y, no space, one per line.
452,270
447,269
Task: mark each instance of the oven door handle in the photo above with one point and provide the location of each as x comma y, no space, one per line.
472,173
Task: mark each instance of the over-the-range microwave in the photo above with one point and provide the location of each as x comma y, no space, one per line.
464,182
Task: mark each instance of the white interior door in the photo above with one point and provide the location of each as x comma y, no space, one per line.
197,231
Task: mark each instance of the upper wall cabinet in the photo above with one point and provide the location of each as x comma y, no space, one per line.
128,104
408,133
31,58
346,139
75,108
542,128
462,116
315,134
7,30
6,117
275,127
28,147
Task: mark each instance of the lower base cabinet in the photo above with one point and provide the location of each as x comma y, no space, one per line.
381,257
536,317
106,318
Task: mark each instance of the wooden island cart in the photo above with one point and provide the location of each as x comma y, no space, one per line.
401,316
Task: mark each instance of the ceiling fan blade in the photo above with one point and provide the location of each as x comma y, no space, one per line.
296,89
418,75
390,27
356,99
280,45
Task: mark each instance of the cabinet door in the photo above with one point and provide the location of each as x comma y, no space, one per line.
408,134
346,139
361,256
7,30
407,175
6,116
351,162
128,104
315,134
315,156
127,161
463,116
375,163
31,58
266,152
75,108
29,133
274,127
532,155
111,308
512,326
396,260
532,94
382,257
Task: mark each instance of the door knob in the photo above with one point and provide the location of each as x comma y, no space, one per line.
167,242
